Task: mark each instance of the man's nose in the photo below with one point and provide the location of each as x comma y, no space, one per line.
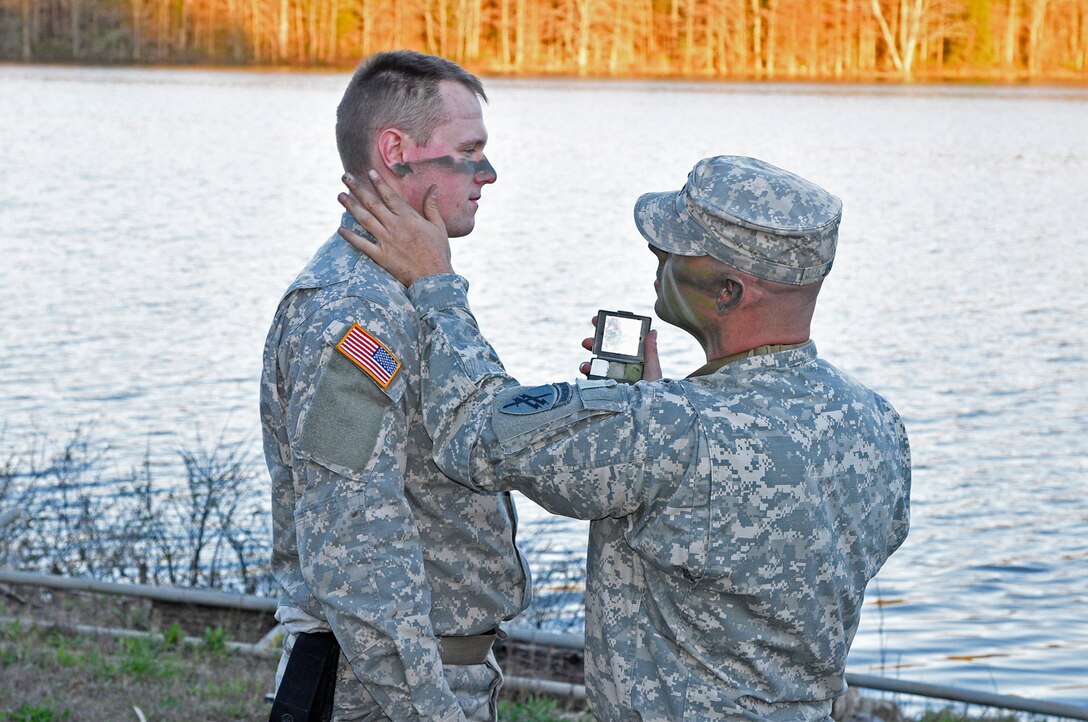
485,172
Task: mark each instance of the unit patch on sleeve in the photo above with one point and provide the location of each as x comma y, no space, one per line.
369,354
537,399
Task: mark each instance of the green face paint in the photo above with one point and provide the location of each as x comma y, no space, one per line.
683,294
458,165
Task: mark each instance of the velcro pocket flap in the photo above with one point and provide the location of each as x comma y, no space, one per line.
348,412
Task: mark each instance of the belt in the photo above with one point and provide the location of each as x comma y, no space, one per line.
466,650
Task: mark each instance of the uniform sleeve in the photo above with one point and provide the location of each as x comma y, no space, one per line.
359,550
580,450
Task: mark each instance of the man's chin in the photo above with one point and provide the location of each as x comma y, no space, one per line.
460,230
660,312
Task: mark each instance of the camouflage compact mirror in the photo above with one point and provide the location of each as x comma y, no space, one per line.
619,346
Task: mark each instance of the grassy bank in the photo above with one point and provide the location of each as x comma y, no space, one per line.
48,675
182,662
64,509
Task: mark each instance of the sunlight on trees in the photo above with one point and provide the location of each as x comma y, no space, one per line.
772,39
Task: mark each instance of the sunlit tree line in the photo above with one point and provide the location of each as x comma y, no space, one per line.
773,39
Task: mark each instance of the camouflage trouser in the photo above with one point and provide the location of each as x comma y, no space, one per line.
475,685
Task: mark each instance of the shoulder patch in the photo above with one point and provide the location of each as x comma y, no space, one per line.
537,399
369,354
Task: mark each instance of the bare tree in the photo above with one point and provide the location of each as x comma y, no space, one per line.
757,37
136,7
1012,23
903,40
772,32
585,23
520,46
1036,29
1080,37
29,8
283,29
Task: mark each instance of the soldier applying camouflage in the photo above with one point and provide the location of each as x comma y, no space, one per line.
737,514
411,572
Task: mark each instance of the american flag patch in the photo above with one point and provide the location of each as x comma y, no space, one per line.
369,354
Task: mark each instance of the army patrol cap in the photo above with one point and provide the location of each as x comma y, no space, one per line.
749,215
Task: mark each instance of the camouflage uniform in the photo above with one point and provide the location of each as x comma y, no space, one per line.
737,515
369,538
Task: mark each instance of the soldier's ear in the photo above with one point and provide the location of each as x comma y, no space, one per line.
731,293
392,143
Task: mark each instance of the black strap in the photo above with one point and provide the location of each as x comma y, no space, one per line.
306,690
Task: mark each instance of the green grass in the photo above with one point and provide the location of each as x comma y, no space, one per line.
48,675
104,677
28,713
51,676
215,640
174,635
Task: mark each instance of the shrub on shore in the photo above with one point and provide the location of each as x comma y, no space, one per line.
62,512
210,530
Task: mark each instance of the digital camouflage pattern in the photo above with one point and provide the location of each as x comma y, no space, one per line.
748,214
369,537
736,516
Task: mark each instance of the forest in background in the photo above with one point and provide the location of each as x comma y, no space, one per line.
1007,40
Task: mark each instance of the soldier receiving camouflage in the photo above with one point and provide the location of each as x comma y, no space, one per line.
411,571
737,514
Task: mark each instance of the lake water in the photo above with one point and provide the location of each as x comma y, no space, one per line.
149,220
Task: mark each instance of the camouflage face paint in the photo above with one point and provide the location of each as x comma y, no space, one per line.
457,165
687,292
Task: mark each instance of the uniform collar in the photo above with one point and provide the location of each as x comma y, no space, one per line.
718,363
335,261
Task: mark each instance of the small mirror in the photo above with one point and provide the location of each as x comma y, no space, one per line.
622,336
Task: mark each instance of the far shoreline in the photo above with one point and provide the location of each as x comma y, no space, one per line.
884,79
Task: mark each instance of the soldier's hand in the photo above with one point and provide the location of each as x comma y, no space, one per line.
587,344
651,364
406,244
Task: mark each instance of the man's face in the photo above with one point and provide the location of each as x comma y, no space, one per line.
687,290
453,159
